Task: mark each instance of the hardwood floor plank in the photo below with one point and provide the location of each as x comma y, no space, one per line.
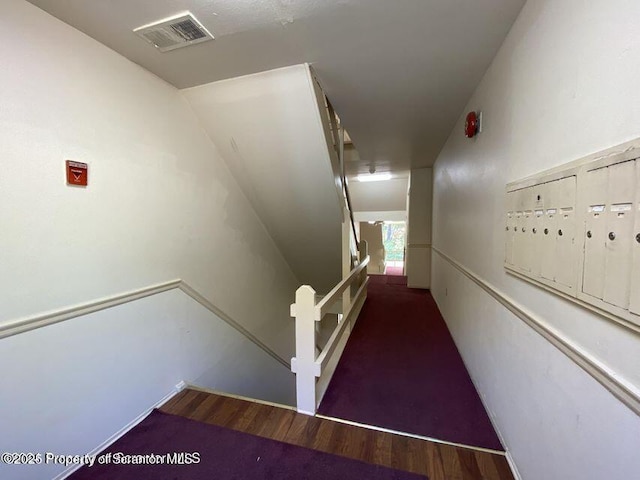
399,457
283,425
181,407
297,429
170,404
382,451
468,464
243,421
258,421
487,466
202,412
502,466
450,461
272,422
417,453
322,441
435,470
224,412
368,447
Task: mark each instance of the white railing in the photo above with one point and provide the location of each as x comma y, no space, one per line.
314,369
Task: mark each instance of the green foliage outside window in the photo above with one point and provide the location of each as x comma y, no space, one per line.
393,239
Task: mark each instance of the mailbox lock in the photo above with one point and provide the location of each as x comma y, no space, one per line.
589,234
560,232
507,228
638,238
524,229
546,231
535,230
612,236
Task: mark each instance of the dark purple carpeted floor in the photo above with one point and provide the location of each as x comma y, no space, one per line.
401,370
225,454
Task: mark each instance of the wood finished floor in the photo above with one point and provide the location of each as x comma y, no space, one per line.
437,461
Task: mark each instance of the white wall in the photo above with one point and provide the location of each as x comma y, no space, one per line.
75,384
161,204
268,128
390,216
390,195
372,234
563,85
419,228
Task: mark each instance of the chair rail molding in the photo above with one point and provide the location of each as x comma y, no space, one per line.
620,388
27,324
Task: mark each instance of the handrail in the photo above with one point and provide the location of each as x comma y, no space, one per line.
330,298
49,318
337,131
332,343
353,222
307,365
345,186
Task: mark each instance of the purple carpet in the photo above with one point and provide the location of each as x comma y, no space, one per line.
224,454
401,370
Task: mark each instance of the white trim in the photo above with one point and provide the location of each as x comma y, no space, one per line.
411,435
620,388
190,386
358,301
120,433
49,318
513,466
324,305
625,151
577,300
384,216
219,313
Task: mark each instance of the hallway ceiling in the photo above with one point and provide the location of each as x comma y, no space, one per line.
397,72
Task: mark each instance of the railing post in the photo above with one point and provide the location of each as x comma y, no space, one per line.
304,363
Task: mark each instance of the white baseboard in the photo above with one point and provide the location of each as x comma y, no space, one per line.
112,439
513,466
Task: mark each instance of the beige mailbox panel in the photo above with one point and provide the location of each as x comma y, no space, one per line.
541,231
579,233
634,295
619,233
611,212
596,182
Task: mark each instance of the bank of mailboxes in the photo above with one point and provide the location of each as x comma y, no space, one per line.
580,234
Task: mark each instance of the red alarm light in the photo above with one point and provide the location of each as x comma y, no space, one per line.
471,125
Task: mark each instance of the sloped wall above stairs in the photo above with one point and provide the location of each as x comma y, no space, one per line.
268,128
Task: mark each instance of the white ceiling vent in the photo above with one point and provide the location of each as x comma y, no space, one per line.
178,31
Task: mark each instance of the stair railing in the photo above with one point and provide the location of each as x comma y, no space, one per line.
314,370
339,146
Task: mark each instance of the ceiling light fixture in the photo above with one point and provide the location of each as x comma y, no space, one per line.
374,177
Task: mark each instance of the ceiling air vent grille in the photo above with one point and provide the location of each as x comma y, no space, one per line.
175,32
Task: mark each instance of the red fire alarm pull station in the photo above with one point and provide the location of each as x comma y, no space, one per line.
472,124
77,173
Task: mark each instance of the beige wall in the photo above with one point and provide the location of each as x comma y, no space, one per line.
418,259
372,234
